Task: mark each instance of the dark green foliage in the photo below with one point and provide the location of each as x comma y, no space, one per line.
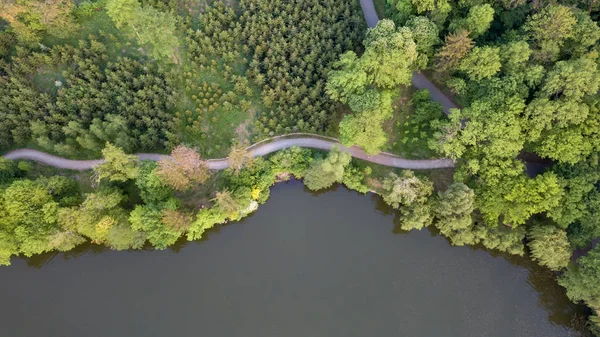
94,101
581,280
148,219
293,46
354,179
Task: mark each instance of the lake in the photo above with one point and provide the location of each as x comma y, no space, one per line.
305,265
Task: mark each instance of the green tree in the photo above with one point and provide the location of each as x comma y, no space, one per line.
481,63
117,165
549,246
363,130
153,190
573,79
425,34
453,211
549,29
325,172
477,22
182,169
347,79
354,179
122,12
515,199
159,30
149,219
405,189
581,279
29,219
150,26
390,55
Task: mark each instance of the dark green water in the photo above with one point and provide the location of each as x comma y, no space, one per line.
304,265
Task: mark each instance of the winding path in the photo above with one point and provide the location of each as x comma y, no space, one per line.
281,142
256,150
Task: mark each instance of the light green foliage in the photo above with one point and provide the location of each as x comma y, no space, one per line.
206,218
325,172
122,12
405,189
453,213
390,55
580,201
389,60
581,280
118,165
363,130
425,34
585,35
410,195
365,127
563,125
148,219
573,79
582,233
98,214
477,22
158,29
549,246
260,175
348,79
481,63
30,215
102,219
493,130
515,199
430,5
549,29
515,56
415,216
503,238
150,26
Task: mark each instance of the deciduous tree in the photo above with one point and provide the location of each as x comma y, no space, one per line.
549,246
182,169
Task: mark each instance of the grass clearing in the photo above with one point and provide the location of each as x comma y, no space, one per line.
409,135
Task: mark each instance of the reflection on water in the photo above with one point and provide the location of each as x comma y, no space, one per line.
551,296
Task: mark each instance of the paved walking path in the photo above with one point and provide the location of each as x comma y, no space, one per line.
256,150
282,142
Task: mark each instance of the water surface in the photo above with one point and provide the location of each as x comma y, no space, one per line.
305,265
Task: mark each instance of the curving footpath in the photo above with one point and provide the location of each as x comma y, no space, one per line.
256,150
282,142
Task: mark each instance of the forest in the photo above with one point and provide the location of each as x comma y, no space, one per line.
202,79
